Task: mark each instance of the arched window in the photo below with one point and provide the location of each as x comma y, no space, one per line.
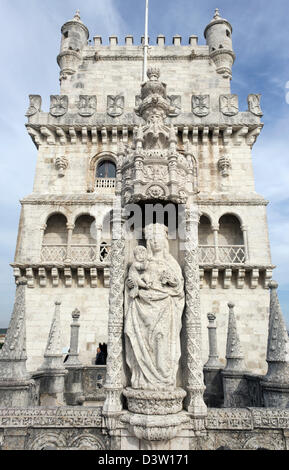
106,169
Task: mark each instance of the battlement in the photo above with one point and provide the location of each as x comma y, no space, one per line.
161,41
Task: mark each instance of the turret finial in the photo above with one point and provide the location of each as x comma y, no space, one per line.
217,14
77,15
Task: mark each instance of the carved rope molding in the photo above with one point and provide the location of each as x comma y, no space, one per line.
195,382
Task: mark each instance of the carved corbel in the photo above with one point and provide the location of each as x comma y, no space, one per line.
227,278
93,277
16,273
67,277
42,277
214,278
205,135
84,135
94,135
35,135
114,135
106,277
125,134
215,137
254,278
241,278
185,135
195,139
30,277
227,133
55,277
104,135
62,135
252,136
80,277
240,134
48,134
268,277
72,134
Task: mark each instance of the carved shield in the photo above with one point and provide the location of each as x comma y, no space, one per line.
58,105
86,105
115,105
229,105
201,105
254,105
34,105
176,105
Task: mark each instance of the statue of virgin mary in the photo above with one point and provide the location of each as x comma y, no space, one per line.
153,315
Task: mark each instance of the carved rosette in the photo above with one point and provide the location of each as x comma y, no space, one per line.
195,381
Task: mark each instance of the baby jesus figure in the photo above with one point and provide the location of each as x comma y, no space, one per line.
136,275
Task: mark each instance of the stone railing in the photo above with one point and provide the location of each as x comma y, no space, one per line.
53,253
223,254
106,184
75,253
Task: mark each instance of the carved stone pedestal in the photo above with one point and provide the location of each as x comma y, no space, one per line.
51,386
275,395
155,415
16,393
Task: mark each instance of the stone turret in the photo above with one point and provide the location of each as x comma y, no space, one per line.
15,383
234,381
52,372
74,37
218,35
276,383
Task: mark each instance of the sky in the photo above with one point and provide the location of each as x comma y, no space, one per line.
30,40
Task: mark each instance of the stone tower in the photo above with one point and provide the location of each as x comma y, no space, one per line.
95,121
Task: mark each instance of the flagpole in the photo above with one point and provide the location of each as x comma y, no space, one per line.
146,42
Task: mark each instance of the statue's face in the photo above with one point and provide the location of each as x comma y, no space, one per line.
156,243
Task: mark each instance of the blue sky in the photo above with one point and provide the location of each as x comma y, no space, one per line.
30,40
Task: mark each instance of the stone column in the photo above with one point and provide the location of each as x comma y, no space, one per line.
74,333
215,229
52,372
244,229
115,366
70,228
275,385
195,382
234,381
212,369
41,237
16,386
213,360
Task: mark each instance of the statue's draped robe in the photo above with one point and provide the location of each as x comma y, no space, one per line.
152,328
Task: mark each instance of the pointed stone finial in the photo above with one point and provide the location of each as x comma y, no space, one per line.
77,15
234,353
213,361
277,349
13,353
53,352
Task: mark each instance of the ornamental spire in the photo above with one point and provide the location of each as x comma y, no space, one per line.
234,353
277,350
217,14
77,15
53,352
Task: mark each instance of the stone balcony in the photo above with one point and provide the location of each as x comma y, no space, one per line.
74,253
222,254
106,185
